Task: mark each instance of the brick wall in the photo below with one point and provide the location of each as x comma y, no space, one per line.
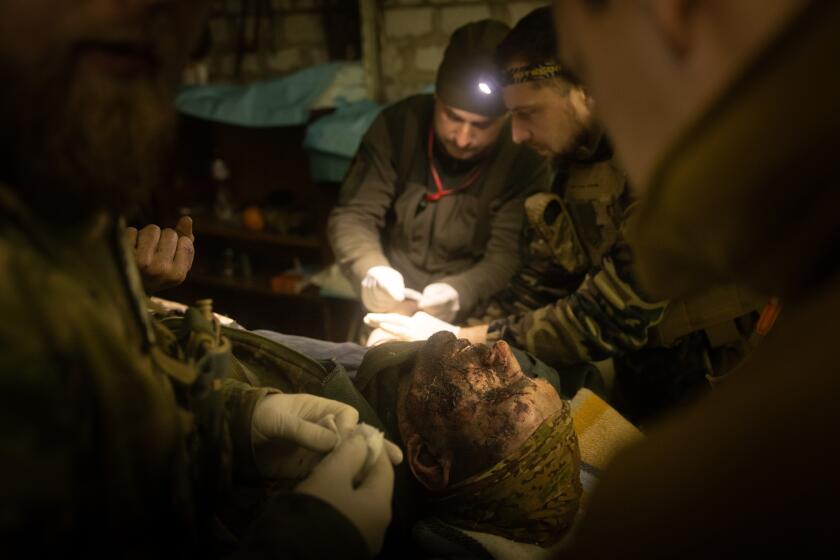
290,36
412,38
415,34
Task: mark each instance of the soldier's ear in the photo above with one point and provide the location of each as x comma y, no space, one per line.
429,468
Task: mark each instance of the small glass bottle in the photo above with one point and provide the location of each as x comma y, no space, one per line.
222,205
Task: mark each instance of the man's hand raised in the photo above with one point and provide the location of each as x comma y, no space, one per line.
164,257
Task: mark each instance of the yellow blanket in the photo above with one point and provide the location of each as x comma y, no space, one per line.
602,432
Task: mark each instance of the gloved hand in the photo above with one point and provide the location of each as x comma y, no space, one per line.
419,326
441,300
282,424
164,256
382,288
366,502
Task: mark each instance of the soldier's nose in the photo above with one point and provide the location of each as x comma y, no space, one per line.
463,137
520,133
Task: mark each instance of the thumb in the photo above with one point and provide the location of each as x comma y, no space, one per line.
380,478
394,452
345,461
428,300
394,285
397,293
308,434
184,227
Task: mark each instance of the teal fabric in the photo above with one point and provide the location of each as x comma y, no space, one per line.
333,139
282,101
341,131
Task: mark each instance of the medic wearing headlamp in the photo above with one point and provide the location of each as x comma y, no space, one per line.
432,207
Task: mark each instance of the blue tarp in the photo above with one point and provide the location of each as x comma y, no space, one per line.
282,101
333,139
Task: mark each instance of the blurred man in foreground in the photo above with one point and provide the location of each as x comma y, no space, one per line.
119,436
739,182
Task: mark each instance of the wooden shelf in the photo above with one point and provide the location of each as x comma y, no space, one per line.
255,286
211,227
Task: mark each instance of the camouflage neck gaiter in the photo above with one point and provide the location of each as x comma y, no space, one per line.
531,496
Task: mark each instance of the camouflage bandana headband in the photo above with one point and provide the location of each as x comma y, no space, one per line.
531,496
532,73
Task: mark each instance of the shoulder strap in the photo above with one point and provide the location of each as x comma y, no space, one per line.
713,311
405,141
494,186
408,140
265,363
405,137
385,356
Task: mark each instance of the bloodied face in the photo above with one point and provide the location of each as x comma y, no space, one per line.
473,403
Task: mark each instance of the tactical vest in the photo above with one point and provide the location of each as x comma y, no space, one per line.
261,362
581,224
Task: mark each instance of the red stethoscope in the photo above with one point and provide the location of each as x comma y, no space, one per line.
441,192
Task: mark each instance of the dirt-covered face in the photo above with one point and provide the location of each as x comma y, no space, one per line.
472,404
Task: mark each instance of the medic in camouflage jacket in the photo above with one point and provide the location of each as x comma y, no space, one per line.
575,300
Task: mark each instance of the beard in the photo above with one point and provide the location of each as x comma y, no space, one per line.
81,142
571,136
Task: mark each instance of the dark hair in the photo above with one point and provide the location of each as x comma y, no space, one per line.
533,38
432,409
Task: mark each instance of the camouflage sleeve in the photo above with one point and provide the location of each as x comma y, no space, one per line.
355,224
608,314
40,444
89,440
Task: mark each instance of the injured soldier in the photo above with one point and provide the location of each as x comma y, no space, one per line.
492,453
491,448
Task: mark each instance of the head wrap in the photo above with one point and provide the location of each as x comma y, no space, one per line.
468,79
534,73
530,496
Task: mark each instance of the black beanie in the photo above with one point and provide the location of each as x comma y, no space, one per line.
467,79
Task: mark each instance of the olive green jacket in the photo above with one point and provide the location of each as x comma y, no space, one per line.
749,193
383,219
110,446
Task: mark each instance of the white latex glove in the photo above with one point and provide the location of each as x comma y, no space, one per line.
441,300
286,428
419,326
382,288
381,336
365,499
